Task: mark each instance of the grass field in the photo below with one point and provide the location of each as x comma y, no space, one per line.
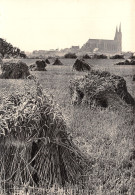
105,136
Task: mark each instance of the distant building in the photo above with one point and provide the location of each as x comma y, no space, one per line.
75,48
72,49
103,45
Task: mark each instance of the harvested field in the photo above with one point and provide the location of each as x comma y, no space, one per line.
36,141
104,136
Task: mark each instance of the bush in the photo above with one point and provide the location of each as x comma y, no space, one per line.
117,56
132,56
38,66
86,56
81,65
70,55
127,62
97,56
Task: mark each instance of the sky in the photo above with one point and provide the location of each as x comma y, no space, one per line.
51,24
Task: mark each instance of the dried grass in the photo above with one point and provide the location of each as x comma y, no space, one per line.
39,65
81,65
14,70
57,62
101,89
35,146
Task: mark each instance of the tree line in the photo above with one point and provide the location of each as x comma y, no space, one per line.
7,49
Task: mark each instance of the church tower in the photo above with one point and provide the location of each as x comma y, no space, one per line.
113,46
116,34
118,39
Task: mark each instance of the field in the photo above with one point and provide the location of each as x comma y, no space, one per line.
105,136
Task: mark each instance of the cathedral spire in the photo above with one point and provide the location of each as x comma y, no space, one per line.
116,33
120,28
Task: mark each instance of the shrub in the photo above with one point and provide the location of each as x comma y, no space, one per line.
86,56
117,56
97,56
70,55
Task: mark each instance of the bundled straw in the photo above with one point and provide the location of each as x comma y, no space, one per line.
101,89
127,62
1,62
57,62
39,65
47,61
14,70
81,65
35,147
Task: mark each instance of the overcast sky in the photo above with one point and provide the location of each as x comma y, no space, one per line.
50,24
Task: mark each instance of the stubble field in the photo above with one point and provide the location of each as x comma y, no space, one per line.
105,136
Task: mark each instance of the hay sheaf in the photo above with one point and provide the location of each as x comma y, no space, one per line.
101,89
39,65
132,56
127,62
81,65
1,62
14,70
47,61
57,62
35,146
117,56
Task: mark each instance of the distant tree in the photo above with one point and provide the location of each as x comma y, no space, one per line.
132,56
70,55
86,56
8,49
117,56
99,56
5,48
16,52
23,55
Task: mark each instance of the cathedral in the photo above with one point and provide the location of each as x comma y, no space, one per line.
103,45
